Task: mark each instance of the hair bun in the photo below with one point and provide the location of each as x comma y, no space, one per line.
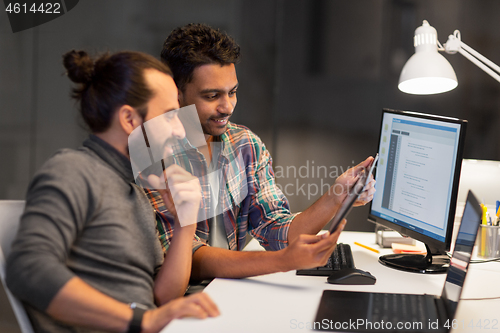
79,66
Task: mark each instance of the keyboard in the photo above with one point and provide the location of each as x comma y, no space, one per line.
341,258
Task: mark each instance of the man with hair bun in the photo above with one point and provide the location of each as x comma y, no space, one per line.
86,257
203,62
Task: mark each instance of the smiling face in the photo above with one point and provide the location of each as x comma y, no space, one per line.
213,91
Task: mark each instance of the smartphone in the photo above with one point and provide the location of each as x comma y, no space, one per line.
352,196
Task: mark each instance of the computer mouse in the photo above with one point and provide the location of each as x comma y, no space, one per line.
351,276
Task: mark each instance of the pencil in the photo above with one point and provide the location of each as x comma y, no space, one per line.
367,247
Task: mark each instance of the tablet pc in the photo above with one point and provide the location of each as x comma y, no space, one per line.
352,196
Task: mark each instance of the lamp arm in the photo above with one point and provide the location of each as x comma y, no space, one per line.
454,45
479,64
480,56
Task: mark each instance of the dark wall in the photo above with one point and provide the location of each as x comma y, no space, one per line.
313,79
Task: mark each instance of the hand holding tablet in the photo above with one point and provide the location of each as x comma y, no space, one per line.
352,196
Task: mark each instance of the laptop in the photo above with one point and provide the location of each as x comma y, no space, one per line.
348,311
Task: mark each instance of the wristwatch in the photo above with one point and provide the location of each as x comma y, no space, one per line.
138,311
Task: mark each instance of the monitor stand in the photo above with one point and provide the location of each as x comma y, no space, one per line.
418,263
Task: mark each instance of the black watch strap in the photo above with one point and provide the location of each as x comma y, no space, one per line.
135,323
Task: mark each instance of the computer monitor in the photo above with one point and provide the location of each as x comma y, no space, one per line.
417,184
482,177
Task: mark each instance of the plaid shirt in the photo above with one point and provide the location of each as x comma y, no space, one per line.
248,189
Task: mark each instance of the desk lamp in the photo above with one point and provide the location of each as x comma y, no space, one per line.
428,72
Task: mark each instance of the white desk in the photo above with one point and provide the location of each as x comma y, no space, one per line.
284,302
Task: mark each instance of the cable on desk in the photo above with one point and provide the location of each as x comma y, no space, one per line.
477,261
480,261
478,299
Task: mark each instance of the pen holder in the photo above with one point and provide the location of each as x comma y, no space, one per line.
488,241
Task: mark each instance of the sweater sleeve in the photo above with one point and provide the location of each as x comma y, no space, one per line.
57,205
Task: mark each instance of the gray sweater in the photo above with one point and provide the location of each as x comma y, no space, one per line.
85,217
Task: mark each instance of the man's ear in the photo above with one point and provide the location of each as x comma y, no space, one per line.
180,96
128,118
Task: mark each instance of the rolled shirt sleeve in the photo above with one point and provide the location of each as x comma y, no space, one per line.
269,211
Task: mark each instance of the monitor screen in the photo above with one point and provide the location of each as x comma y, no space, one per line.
417,176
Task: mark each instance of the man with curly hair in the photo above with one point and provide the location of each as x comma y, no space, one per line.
247,201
